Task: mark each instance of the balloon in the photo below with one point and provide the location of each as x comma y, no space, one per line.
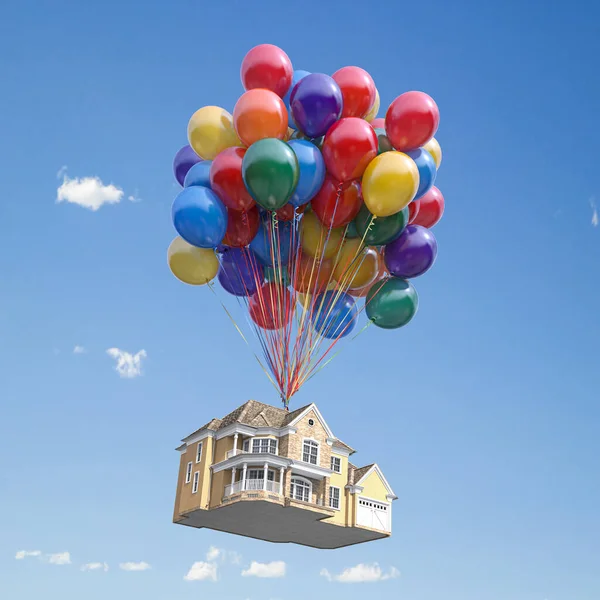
239,272
378,123
311,275
381,274
199,174
431,208
389,183
356,266
260,114
358,91
334,314
349,146
192,265
336,204
316,103
199,217
269,67
351,230
383,142
378,231
270,171
270,306
242,227
413,210
286,213
311,171
434,148
316,240
427,171
391,303
272,245
277,275
298,75
210,131
226,179
411,254
184,160
411,120
374,109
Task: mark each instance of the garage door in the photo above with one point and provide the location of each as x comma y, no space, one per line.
373,514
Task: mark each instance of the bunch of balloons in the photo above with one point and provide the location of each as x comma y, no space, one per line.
303,201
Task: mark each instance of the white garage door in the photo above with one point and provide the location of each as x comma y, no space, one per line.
373,514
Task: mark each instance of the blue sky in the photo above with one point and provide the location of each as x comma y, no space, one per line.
483,413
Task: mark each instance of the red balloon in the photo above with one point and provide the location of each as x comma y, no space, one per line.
269,67
227,182
271,306
349,146
241,227
378,123
286,213
431,208
337,204
358,91
411,120
413,210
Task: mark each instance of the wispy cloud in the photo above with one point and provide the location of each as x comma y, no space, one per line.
203,571
21,554
79,350
88,192
128,365
362,574
60,558
265,570
134,566
595,217
61,172
213,553
234,557
95,566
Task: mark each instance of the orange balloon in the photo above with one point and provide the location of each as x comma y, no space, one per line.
311,274
382,274
260,114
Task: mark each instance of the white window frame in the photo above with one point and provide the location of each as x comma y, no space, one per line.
248,445
310,440
199,452
196,481
261,471
339,462
305,482
339,498
188,472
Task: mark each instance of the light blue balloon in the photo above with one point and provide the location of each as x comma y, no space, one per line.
199,174
427,170
312,171
199,217
296,77
335,314
266,236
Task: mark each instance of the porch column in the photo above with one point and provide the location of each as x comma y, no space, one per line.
244,477
266,473
281,476
232,475
235,440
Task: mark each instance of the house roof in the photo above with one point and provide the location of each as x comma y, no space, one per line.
360,473
338,442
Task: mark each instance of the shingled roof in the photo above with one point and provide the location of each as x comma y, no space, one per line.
359,473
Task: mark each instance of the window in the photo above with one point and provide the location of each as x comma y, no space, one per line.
188,473
300,489
336,464
310,452
195,484
260,474
311,422
334,497
261,446
199,452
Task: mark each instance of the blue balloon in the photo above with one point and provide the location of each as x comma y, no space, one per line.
240,273
199,217
335,314
298,75
312,171
199,174
427,170
261,244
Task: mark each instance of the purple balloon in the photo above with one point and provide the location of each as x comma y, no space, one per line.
316,103
411,254
240,273
184,160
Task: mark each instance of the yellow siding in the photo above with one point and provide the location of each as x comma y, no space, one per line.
339,480
374,487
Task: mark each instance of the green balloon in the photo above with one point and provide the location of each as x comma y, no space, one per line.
270,171
351,231
279,275
382,230
383,141
392,303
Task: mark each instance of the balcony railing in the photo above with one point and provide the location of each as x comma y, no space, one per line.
237,451
251,485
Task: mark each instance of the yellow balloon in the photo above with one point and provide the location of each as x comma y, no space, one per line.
374,109
195,266
356,266
288,135
314,237
434,148
389,183
210,131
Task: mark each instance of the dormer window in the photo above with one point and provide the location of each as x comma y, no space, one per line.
310,452
261,446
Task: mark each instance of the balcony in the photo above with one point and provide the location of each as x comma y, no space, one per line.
251,485
238,451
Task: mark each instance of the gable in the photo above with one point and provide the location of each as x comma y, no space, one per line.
374,484
312,412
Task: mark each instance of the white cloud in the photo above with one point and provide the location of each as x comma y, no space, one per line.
213,553
128,365
88,192
61,172
134,566
361,574
60,558
595,217
21,554
270,570
79,350
95,566
202,571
